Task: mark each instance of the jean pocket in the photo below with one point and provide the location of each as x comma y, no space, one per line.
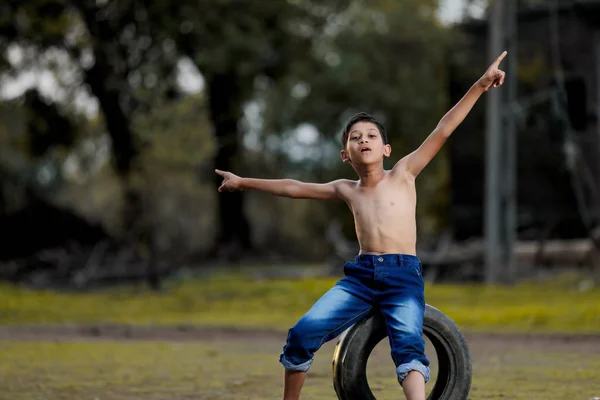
350,269
411,269
416,270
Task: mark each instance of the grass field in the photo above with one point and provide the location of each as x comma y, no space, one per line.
275,304
247,368
243,365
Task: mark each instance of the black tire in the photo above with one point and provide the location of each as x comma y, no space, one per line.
356,344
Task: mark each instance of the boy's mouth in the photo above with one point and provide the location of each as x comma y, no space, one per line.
364,149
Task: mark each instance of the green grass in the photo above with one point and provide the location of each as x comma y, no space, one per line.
248,369
240,301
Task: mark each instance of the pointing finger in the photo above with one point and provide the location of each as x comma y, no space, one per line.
500,58
219,172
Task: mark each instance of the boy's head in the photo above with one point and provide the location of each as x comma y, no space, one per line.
362,117
364,140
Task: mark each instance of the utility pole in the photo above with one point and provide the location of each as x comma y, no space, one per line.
501,149
493,121
509,214
597,62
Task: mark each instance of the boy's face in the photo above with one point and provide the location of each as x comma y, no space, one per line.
365,145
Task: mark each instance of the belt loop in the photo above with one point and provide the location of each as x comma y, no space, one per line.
399,257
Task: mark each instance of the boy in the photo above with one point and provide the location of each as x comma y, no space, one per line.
386,274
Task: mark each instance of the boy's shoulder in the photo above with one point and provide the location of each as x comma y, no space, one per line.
344,187
345,183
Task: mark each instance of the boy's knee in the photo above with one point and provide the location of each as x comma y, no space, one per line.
299,336
298,351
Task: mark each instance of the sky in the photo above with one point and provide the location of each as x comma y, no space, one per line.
450,10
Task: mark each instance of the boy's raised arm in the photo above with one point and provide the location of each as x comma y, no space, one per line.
281,187
416,161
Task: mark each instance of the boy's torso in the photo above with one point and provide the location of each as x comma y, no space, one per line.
384,215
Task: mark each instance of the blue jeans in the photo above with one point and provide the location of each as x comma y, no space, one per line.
389,283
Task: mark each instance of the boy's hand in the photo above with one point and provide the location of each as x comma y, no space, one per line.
230,183
493,77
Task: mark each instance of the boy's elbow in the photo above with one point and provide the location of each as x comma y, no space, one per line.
293,190
444,131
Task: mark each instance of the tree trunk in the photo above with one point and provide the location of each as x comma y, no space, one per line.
225,101
109,86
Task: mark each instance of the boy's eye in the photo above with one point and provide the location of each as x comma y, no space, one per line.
371,136
354,138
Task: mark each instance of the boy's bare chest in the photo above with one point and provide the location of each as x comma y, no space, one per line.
384,201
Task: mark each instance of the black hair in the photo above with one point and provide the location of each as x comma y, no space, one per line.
363,117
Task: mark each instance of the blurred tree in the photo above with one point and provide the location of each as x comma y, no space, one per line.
36,134
235,45
302,61
120,47
384,57
107,42
34,125
46,126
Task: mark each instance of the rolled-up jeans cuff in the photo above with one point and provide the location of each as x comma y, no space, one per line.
303,367
414,365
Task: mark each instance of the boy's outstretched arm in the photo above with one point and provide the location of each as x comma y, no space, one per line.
281,187
416,161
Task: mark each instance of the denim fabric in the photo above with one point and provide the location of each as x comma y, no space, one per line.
389,283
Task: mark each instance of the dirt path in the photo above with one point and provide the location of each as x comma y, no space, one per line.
585,343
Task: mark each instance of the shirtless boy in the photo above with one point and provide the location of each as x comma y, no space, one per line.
386,273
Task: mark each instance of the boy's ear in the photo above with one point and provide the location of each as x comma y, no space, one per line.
345,157
387,150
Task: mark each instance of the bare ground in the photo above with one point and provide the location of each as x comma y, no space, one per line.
567,342
224,364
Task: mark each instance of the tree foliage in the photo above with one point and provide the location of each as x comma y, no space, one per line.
296,63
384,57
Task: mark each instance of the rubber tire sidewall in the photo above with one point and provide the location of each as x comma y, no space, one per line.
355,345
